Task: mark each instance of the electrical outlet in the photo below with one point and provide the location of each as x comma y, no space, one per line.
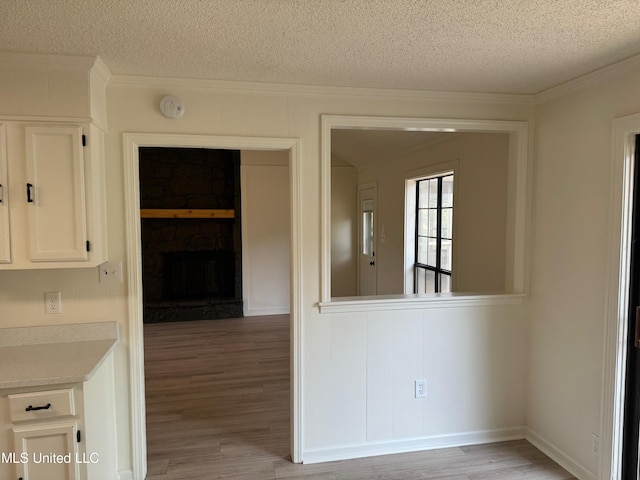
595,444
421,388
52,302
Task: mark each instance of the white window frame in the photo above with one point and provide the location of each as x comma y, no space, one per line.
410,207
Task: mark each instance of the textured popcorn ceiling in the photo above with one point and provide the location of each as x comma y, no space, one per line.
505,46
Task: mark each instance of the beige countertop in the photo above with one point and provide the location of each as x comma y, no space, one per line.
50,356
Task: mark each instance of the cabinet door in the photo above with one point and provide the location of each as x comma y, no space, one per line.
46,451
55,193
5,244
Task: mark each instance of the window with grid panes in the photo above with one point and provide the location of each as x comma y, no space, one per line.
434,236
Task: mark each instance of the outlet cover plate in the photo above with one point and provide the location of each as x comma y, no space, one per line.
595,444
52,302
421,388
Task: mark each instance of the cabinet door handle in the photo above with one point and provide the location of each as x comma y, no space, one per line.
1,191
29,197
31,408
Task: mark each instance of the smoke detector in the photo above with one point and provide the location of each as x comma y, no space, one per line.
171,106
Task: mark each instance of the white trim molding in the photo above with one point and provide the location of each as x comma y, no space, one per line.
433,442
624,130
588,79
518,132
288,89
417,301
124,475
255,312
558,456
131,144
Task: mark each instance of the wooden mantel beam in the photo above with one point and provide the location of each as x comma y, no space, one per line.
186,213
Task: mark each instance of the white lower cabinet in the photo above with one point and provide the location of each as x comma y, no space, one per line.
47,451
66,433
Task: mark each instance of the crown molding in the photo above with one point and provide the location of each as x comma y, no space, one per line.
316,90
94,64
588,79
43,118
101,71
46,59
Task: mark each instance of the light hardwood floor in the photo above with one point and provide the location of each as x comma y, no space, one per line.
218,408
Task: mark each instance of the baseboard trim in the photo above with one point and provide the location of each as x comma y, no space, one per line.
558,456
124,475
254,312
412,445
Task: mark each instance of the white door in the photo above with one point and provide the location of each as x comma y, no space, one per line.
55,193
367,277
5,245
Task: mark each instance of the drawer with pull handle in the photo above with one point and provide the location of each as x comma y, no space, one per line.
41,405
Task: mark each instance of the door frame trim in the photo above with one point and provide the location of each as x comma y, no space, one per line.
624,130
131,143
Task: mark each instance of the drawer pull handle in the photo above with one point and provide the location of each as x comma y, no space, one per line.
31,408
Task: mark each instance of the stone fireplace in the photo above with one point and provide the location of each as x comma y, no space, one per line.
199,274
191,266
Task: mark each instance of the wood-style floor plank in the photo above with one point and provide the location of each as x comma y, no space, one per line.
218,408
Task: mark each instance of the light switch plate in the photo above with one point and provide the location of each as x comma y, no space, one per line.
110,272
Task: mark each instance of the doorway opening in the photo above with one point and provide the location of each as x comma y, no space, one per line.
617,410
191,214
215,382
132,145
367,243
631,427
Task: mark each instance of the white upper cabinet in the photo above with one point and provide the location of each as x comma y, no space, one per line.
56,194
5,240
56,184
52,184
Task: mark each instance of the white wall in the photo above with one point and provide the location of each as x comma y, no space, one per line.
344,229
352,395
358,367
569,278
266,233
480,219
